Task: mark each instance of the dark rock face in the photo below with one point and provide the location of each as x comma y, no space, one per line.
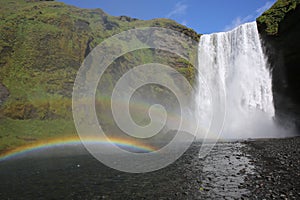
82,25
4,93
280,29
127,19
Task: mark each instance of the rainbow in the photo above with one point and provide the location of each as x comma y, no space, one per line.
73,140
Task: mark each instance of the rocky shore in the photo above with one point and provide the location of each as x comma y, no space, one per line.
277,168
252,169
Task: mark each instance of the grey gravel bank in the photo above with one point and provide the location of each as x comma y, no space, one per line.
277,168
260,169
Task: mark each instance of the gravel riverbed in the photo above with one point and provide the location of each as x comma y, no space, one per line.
252,169
277,168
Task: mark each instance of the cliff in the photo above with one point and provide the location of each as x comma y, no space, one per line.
280,30
42,45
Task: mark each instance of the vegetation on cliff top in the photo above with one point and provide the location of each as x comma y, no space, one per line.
271,19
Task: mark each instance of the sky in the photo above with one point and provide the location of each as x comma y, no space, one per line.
204,16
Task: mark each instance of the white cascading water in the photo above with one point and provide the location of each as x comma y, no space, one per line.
235,60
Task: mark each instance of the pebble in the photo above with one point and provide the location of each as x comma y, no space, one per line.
276,168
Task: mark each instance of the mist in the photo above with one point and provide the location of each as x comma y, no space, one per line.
234,63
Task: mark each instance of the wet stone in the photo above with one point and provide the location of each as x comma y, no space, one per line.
225,177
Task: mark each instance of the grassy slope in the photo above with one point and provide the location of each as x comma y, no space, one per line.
42,44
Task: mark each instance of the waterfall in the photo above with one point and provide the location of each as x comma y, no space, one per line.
234,62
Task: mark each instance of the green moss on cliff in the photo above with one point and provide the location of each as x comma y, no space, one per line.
42,45
271,19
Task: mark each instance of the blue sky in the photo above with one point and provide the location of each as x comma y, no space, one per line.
204,16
